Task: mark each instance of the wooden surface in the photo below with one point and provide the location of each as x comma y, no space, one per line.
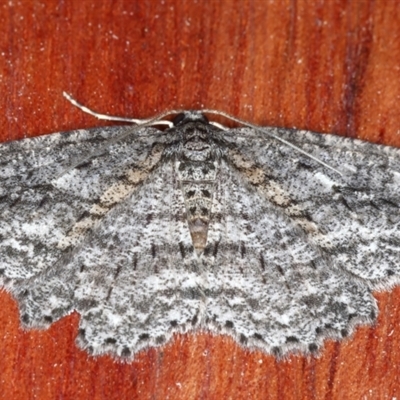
323,65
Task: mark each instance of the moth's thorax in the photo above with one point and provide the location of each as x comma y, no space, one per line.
197,165
196,142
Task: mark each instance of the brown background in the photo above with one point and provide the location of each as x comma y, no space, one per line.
324,65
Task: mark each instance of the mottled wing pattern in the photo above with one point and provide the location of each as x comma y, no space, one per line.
53,191
268,285
300,246
139,280
146,233
353,218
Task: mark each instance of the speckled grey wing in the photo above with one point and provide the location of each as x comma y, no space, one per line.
139,279
354,218
49,182
113,244
268,284
54,190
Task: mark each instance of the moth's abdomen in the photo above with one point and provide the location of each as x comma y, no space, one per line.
198,183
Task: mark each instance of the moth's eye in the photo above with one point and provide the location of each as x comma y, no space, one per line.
179,118
205,119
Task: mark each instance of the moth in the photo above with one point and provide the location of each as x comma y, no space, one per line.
276,237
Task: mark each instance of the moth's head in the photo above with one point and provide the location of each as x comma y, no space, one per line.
190,116
195,131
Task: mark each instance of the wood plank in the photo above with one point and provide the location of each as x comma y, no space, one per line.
328,66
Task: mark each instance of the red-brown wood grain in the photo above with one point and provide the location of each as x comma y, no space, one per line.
323,65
